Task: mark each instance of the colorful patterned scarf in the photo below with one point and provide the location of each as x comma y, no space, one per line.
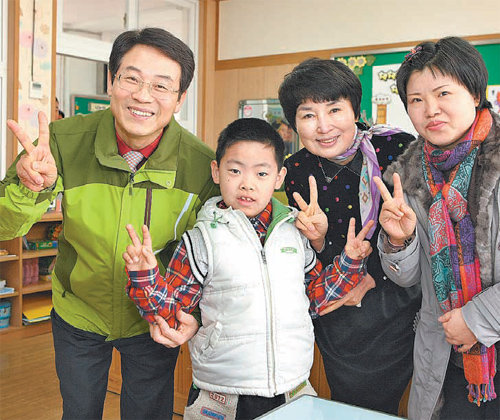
369,195
455,264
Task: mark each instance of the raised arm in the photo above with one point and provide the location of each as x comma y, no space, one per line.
30,184
346,274
398,241
36,169
311,221
162,301
139,256
396,218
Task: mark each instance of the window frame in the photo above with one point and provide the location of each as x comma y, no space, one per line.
97,50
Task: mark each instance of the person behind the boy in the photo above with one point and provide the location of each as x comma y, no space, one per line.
255,277
366,350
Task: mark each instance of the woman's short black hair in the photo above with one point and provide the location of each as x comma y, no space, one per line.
163,41
319,80
250,129
450,56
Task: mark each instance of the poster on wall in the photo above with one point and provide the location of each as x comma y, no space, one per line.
271,111
387,108
86,104
493,95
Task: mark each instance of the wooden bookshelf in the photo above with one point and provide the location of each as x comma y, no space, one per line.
11,270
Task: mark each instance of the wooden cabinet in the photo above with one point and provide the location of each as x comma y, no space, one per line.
11,270
183,375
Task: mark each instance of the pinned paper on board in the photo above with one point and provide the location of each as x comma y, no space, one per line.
493,95
387,107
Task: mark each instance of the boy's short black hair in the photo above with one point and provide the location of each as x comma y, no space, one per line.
320,81
157,38
450,56
250,129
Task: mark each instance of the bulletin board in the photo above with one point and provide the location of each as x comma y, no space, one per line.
377,75
84,104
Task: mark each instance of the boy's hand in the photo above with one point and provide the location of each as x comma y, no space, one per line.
353,297
356,248
396,217
36,169
311,221
139,256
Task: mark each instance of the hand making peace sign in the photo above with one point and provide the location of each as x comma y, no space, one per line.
356,247
36,168
311,221
139,256
396,217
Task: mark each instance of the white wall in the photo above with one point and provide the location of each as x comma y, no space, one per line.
251,28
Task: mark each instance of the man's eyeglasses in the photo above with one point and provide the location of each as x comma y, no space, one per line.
134,84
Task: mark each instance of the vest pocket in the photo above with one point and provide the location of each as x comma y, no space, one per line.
206,341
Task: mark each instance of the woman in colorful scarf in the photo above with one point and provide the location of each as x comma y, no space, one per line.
366,349
441,229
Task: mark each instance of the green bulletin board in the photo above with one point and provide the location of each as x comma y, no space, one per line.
363,65
81,104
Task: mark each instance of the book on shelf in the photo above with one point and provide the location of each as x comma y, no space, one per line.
36,309
6,290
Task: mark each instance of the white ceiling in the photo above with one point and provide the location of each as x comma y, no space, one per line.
104,19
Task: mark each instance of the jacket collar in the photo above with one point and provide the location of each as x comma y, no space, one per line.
161,166
163,158
279,211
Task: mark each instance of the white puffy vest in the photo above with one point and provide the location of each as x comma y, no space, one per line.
257,336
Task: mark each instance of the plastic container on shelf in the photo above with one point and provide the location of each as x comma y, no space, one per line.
4,314
30,271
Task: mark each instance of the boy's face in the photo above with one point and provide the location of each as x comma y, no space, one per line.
248,175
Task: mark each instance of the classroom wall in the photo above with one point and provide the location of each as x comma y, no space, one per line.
260,41
266,27
35,62
31,53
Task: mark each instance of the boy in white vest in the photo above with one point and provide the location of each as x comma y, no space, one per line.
255,278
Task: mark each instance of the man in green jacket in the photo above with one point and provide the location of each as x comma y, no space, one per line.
106,184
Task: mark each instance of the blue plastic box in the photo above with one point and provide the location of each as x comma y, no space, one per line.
4,314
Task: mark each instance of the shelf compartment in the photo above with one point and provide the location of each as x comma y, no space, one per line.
11,257
39,253
42,286
36,308
8,295
51,216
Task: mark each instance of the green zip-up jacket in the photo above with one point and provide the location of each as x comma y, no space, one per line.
100,197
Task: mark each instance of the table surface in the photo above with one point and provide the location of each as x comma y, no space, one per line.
308,407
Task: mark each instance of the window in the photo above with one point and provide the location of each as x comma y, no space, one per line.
86,31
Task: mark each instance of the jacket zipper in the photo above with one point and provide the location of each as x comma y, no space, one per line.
147,211
131,183
247,224
271,328
270,306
